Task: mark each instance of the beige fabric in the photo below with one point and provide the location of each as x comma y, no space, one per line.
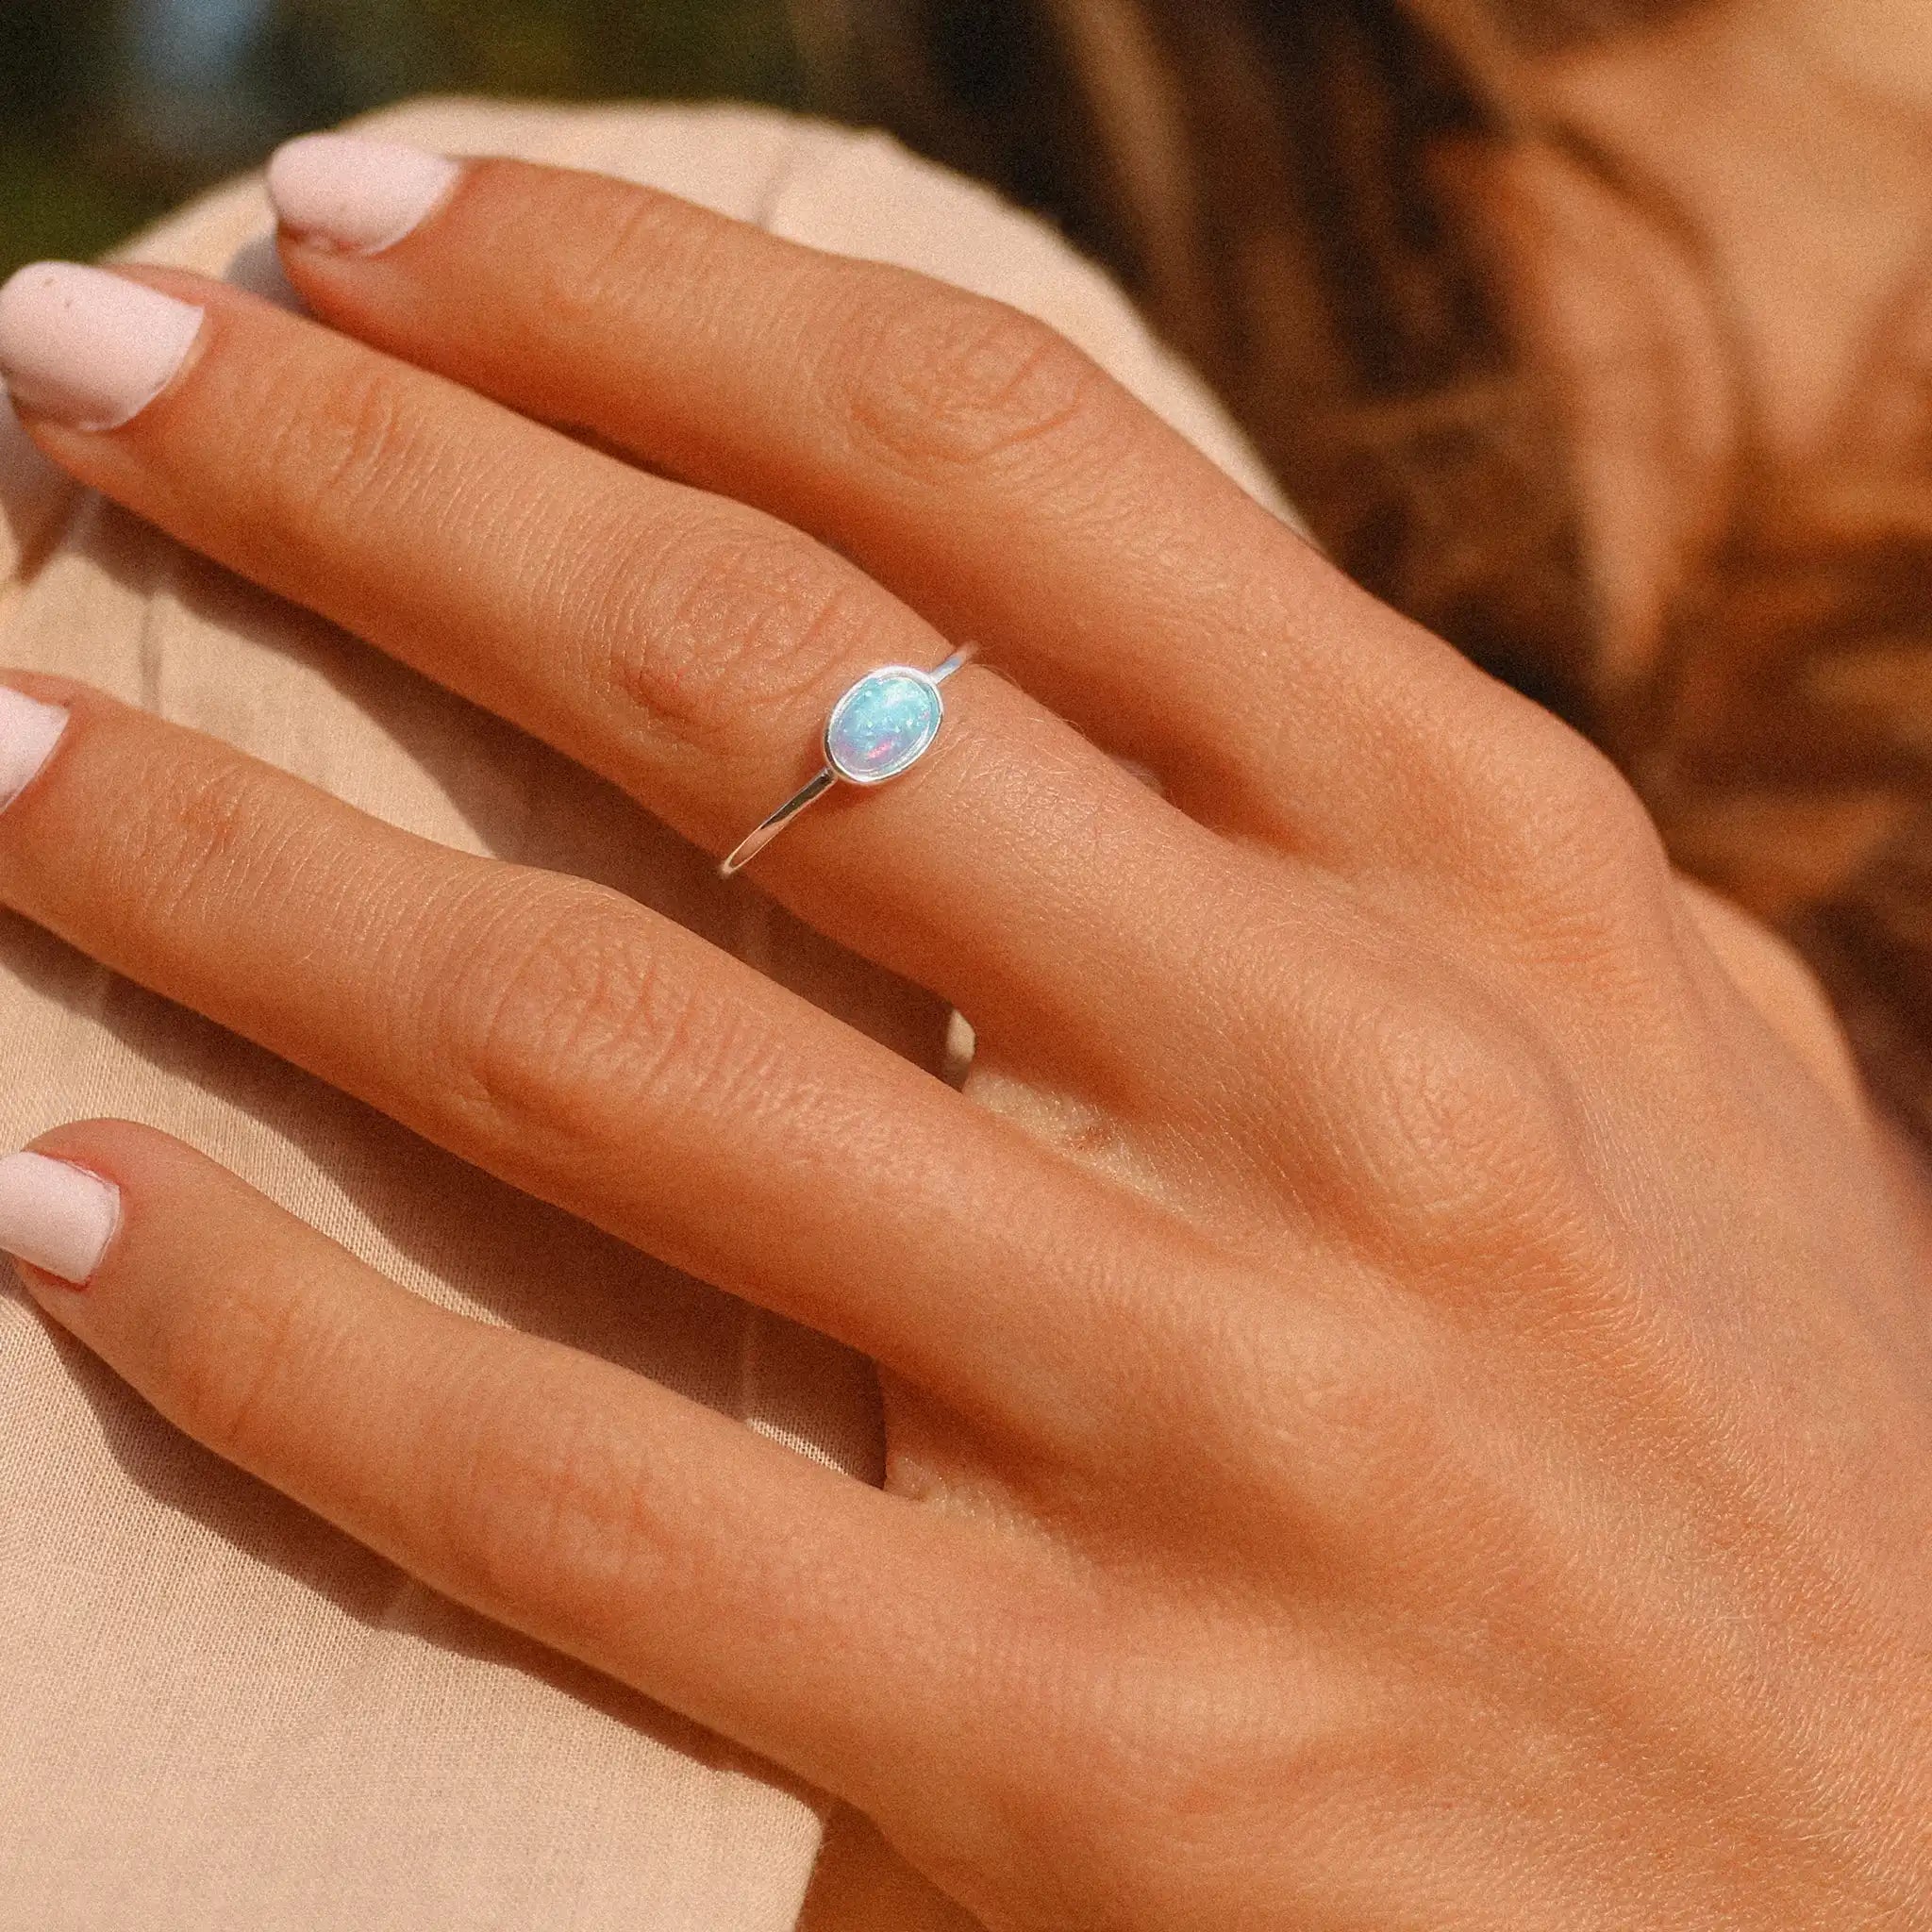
214,1709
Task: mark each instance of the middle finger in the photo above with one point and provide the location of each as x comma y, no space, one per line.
684,645
578,1047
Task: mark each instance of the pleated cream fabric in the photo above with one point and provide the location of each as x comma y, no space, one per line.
215,1710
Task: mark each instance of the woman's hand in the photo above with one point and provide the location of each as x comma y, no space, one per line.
1408,1403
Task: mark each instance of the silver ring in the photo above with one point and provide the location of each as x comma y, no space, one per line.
882,726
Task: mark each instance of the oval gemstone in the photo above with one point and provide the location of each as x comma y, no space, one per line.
882,724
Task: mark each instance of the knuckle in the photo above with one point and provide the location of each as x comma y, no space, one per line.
560,1017
631,234
230,1374
740,620
1170,1735
212,834
336,447
1351,1421
1067,1684
562,1502
1596,814
1469,1136
1565,831
1541,840
945,380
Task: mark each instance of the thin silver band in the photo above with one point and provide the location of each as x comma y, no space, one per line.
767,829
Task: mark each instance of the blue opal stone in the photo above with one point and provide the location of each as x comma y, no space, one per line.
882,724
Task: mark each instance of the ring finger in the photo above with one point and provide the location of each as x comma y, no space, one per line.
684,645
962,452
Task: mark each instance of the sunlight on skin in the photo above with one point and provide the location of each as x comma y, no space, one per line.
1499,1066
860,1885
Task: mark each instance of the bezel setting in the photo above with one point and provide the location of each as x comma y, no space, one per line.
854,760
916,746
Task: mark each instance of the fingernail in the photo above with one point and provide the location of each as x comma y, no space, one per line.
89,348
28,732
359,196
57,1216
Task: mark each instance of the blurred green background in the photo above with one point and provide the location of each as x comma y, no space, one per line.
113,110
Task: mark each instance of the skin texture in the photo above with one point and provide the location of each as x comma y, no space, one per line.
1408,1382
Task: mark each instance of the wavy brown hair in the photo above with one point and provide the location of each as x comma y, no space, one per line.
1266,177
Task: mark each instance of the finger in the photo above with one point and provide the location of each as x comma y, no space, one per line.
835,1629
970,458
582,1048
685,646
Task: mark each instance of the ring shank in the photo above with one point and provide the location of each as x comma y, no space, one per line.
766,830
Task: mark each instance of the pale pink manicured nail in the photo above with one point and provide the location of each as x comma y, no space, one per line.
89,348
57,1216
28,732
357,195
